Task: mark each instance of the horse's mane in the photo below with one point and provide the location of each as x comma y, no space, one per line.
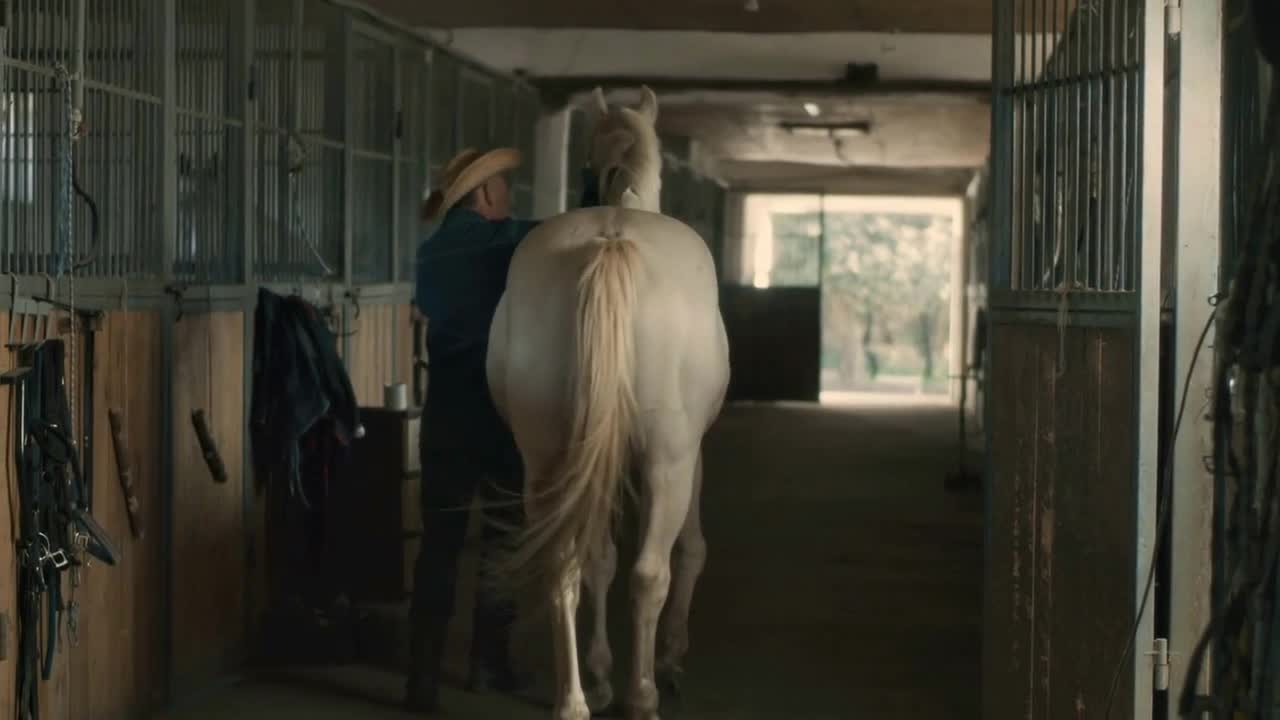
628,153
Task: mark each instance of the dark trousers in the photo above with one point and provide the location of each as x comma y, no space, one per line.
465,449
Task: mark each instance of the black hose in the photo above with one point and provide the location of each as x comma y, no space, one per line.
93,217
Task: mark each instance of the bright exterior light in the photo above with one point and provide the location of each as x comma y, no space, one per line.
812,109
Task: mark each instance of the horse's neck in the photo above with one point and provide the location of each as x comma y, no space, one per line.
628,197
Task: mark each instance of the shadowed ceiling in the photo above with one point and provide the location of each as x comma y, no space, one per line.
724,84
929,16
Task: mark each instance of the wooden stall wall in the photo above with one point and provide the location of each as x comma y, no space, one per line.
117,666
403,371
209,541
372,347
1059,576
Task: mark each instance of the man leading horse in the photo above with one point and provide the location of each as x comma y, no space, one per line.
465,446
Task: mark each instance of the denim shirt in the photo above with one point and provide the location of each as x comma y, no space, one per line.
461,275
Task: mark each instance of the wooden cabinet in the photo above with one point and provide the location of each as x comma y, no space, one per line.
376,522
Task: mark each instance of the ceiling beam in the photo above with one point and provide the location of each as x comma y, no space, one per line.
784,177
772,16
560,92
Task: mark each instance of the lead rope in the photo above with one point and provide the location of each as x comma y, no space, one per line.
66,265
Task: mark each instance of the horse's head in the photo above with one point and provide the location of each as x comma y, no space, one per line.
626,153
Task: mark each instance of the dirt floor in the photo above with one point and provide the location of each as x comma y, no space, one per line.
842,582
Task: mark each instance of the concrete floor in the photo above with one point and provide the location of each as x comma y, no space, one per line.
842,582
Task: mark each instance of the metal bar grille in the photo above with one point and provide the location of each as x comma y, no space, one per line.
526,110
443,111
274,81
477,107
414,153
209,240
1071,137
117,162
281,129
373,112
1241,128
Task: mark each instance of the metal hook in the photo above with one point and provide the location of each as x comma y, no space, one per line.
354,297
177,291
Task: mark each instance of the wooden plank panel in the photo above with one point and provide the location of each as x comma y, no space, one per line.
208,534
1007,647
1059,575
120,655
115,669
1110,515
372,364
1039,514
403,369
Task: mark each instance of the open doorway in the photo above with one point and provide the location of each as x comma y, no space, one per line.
889,278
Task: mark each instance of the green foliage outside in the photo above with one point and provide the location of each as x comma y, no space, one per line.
886,293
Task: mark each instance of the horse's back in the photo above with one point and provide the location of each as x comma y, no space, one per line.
681,354
673,253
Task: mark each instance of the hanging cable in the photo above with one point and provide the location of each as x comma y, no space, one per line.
1241,644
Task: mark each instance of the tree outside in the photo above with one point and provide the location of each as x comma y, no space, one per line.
885,295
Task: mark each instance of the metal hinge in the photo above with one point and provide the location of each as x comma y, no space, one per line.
1173,17
1160,663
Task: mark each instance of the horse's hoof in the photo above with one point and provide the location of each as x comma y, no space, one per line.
670,680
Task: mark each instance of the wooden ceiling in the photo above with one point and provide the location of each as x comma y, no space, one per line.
773,16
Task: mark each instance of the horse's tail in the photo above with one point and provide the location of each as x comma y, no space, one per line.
574,513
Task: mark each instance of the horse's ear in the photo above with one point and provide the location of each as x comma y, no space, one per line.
648,104
602,105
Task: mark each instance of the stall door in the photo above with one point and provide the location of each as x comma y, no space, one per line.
1074,370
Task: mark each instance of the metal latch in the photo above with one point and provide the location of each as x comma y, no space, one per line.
1160,663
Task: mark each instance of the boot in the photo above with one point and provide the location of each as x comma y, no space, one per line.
491,667
426,651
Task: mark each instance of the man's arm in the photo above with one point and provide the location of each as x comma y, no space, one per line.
511,231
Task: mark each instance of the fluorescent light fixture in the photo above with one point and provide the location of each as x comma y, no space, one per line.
838,131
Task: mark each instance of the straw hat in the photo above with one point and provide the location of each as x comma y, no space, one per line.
464,173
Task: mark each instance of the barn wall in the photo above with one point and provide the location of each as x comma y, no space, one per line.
118,667
1059,576
371,346
209,572
380,351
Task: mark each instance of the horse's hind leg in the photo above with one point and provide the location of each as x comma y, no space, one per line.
599,574
571,704
667,490
689,559
564,589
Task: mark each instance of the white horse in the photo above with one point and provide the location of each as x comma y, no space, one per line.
608,354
